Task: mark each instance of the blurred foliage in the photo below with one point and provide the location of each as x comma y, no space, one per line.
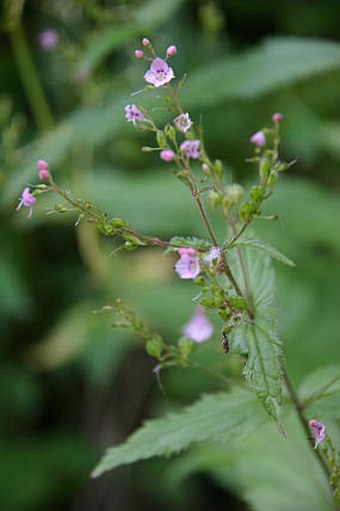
71,385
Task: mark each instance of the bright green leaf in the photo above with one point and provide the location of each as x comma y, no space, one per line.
214,416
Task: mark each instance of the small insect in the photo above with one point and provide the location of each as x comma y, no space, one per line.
225,343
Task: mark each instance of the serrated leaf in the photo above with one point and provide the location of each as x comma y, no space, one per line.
190,242
265,247
214,417
275,63
259,339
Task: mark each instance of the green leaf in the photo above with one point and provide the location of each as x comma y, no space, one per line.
277,62
259,339
265,247
213,417
320,391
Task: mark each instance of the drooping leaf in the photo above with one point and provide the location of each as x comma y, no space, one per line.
265,247
275,63
259,339
214,417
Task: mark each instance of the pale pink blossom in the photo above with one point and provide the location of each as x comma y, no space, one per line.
187,266
319,431
171,51
133,114
199,327
259,139
183,122
159,73
139,54
27,199
190,148
213,255
167,155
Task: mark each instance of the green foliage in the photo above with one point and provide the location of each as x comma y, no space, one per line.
320,392
214,416
265,247
276,62
258,340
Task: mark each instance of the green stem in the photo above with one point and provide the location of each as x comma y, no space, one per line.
299,411
30,80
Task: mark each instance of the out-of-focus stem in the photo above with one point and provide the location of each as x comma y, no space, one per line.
30,80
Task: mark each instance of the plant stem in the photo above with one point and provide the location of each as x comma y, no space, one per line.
299,411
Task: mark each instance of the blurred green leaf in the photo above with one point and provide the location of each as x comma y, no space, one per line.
277,62
265,247
213,417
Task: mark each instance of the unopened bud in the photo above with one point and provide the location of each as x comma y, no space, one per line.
146,41
167,155
44,173
171,51
139,54
277,117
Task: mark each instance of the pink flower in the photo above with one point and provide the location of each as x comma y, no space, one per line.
191,148
44,173
213,255
259,139
277,117
133,114
27,200
183,122
146,41
187,265
139,54
49,39
167,155
319,431
199,327
159,73
171,51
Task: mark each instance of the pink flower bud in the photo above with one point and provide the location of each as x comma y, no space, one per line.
44,173
277,117
146,41
139,54
259,139
167,155
190,251
171,51
42,165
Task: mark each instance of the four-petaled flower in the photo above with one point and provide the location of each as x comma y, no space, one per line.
319,431
190,148
183,122
27,199
133,114
159,73
187,266
199,327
